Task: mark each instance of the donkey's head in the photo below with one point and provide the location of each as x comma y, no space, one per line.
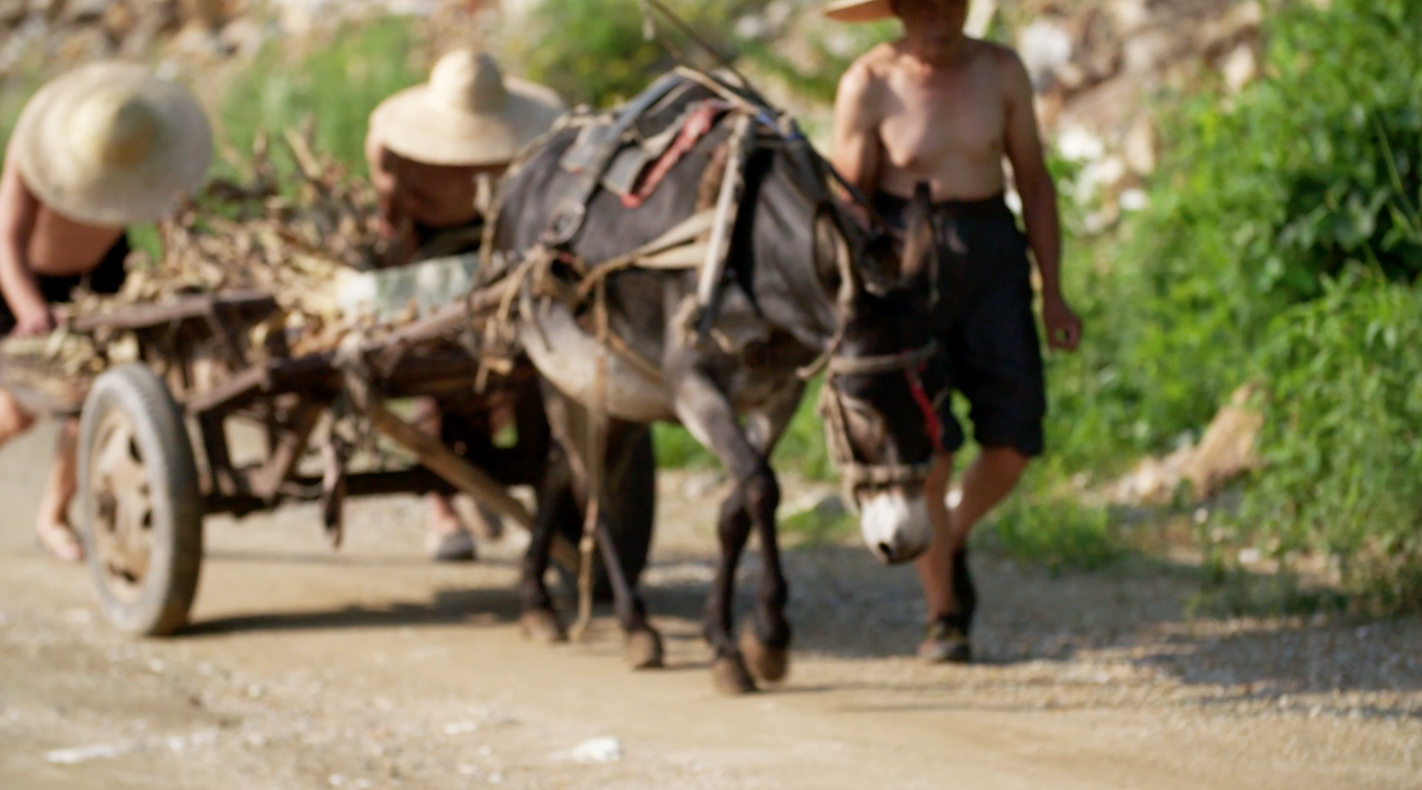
880,423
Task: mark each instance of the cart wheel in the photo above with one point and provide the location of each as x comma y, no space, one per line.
631,514
140,504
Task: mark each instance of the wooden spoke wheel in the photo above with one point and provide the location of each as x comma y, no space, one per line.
140,503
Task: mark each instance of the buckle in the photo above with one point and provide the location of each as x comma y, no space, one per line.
565,223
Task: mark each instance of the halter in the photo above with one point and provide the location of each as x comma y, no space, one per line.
854,473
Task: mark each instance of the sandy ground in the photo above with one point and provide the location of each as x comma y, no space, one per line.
369,667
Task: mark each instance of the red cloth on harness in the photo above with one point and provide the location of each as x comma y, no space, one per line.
702,121
930,415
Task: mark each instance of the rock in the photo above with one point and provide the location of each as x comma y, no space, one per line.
119,20
1216,34
1138,148
460,727
1228,447
1129,15
79,12
1240,67
597,750
1148,50
1045,47
1133,199
1076,144
205,13
84,44
97,751
198,40
244,37
12,12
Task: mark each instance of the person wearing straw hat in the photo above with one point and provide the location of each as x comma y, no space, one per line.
940,109
105,146
433,152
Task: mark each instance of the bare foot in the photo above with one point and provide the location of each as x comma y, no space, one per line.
60,540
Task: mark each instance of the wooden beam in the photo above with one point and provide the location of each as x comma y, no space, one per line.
442,461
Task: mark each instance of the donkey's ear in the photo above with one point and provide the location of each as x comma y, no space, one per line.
919,247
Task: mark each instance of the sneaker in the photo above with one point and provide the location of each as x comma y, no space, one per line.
946,643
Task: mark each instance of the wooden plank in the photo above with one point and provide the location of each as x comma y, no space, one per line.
265,481
442,461
247,303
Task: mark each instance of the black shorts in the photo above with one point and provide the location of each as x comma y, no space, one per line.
106,278
988,347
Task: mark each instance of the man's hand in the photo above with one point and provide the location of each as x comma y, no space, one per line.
1063,327
34,320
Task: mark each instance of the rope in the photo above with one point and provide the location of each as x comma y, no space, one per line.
596,442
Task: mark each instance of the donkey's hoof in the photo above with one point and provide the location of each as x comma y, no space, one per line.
644,649
768,664
731,676
542,626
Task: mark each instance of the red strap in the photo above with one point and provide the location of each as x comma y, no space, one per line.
701,122
930,415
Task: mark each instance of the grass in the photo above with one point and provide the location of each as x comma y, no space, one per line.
339,84
802,446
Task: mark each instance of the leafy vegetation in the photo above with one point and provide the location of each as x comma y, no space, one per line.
339,84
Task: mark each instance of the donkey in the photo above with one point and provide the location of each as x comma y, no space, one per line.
792,294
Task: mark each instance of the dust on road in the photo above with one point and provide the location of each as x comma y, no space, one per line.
371,668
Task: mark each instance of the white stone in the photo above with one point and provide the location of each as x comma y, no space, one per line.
1133,200
1076,144
1045,47
597,750
1240,67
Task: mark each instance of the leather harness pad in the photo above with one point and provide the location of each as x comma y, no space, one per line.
634,138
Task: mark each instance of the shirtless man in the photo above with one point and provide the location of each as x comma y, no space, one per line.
103,147
429,148
940,107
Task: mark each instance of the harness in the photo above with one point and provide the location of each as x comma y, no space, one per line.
854,473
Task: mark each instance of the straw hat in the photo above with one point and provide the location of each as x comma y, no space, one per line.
858,10
111,144
467,114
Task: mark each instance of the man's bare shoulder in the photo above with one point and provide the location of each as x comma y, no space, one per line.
873,66
1000,57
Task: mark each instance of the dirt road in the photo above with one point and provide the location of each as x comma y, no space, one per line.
371,668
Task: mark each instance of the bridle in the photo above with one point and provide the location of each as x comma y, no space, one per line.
854,473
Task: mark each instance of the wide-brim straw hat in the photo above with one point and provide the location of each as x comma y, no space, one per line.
468,113
859,10
111,144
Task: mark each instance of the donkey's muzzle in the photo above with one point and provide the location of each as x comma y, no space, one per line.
895,527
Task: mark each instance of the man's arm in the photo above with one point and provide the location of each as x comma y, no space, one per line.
18,209
1039,203
858,152
384,182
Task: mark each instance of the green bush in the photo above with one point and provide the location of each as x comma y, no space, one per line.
1344,419
1260,198
594,51
802,448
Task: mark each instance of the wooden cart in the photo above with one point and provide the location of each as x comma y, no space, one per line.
154,454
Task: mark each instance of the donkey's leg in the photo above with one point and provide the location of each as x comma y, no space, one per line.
708,414
555,503
568,421
643,649
766,645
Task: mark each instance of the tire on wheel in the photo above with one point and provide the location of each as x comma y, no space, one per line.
141,508
630,511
